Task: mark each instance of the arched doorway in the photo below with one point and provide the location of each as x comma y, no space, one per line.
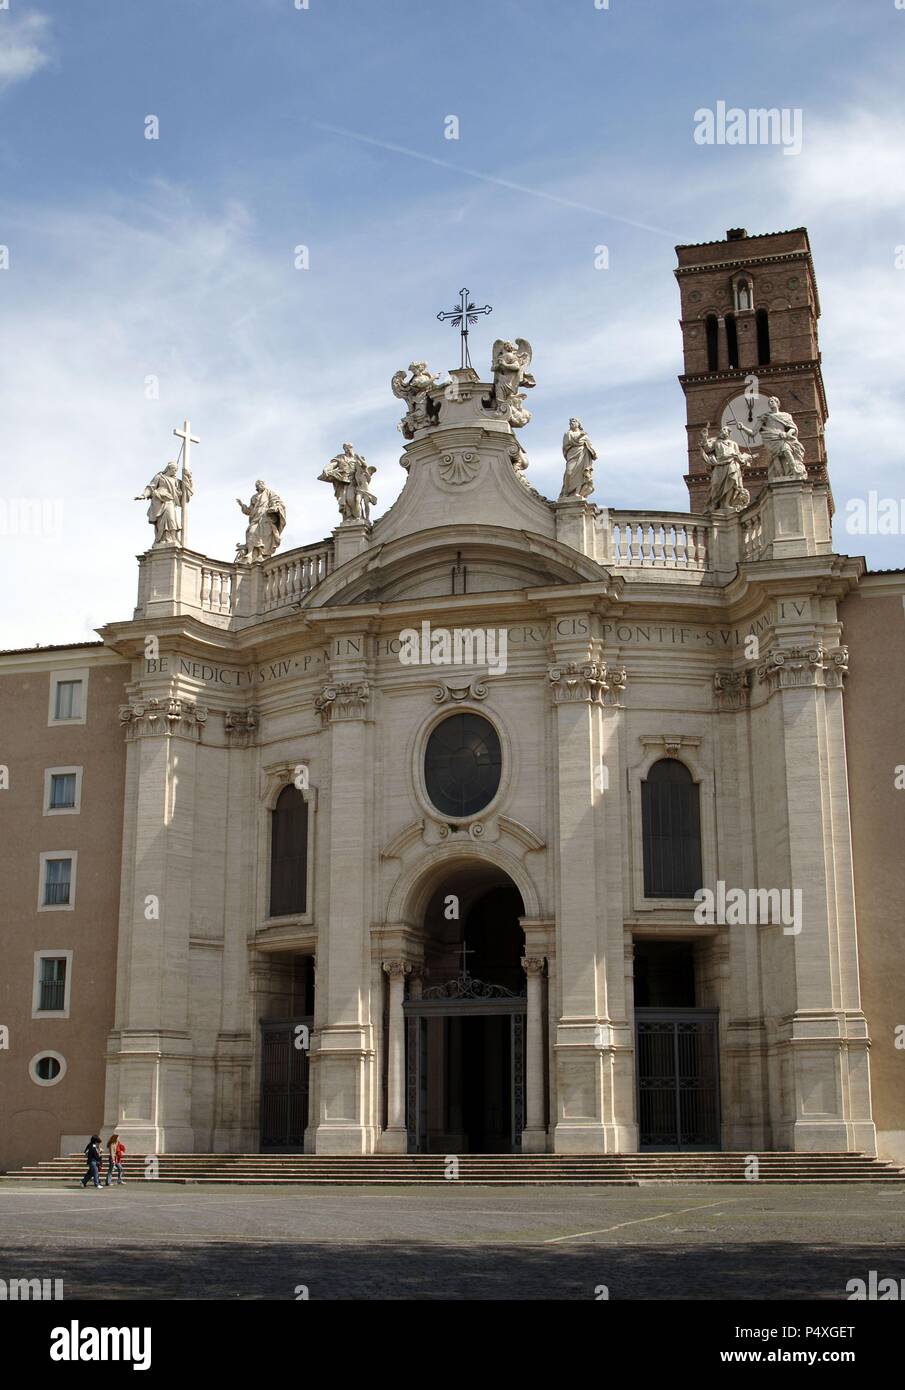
465,1018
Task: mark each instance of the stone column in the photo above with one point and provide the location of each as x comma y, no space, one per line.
593,1053
534,1135
149,1071
347,1118
395,1137
820,1084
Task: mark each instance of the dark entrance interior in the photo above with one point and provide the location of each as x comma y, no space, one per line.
676,1050
288,1001
465,1035
480,1086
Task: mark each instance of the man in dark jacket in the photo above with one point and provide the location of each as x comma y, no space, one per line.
93,1155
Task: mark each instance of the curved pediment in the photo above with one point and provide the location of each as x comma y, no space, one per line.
487,559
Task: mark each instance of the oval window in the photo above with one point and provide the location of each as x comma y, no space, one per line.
462,765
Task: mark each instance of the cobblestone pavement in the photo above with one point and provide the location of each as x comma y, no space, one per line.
155,1240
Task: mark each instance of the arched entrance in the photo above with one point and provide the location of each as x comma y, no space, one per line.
465,1018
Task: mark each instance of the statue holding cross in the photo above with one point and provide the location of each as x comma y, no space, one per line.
169,495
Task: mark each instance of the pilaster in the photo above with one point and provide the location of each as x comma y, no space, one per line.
344,1055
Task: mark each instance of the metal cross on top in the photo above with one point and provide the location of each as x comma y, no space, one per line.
466,951
188,439
460,318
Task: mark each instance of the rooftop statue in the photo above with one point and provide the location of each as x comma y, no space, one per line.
167,494
421,410
266,514
510,363
579,454
779,436
351,477
725,460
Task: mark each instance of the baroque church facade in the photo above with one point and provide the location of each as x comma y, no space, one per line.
495,824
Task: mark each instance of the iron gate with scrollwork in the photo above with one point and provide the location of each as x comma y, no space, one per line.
461,999
678,1078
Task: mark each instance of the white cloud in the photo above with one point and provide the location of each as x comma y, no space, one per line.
855,161
24,47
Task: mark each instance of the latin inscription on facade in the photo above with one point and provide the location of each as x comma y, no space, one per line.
692,637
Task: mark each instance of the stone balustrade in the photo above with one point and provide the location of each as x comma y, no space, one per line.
173,581
217,588
288,578
660,540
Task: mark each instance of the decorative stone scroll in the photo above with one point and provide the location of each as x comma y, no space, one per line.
791,668
163,716
344,700
533,965
731,689
589,682
836,669
456,693
460,468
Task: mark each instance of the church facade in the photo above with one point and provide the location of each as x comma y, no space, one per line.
497,823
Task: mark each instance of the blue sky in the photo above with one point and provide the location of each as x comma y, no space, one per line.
173,258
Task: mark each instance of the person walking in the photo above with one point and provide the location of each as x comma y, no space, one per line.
93,1155
116,1150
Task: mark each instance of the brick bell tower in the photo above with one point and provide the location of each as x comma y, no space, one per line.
749,331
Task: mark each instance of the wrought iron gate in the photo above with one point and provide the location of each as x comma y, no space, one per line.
678,1078
284,1084
417,1012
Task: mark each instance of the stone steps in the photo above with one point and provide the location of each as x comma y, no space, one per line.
486,1169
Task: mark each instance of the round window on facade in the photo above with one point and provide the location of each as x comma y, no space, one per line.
47,1068
462,765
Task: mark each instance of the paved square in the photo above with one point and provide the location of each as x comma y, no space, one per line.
154,1240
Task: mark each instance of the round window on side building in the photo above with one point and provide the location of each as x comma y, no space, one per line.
47,1068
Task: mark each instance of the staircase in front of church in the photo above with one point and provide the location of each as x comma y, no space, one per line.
496,1170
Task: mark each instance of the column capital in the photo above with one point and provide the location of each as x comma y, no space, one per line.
586,682
344,700
533,965
164,716
731,689
397,969
788,668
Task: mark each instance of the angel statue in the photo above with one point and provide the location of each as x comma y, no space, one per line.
351,477
725,460
266,514
779,436
415,394
510,363
579,454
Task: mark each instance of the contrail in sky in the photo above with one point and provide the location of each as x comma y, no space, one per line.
491,178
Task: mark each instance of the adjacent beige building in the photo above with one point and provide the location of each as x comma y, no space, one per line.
497,824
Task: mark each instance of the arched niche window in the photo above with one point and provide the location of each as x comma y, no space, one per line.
743,295
763,337
289,853
671,831
731,340
711,328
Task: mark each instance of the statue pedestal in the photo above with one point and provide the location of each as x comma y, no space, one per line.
796,518
575,524
725,541
350,539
